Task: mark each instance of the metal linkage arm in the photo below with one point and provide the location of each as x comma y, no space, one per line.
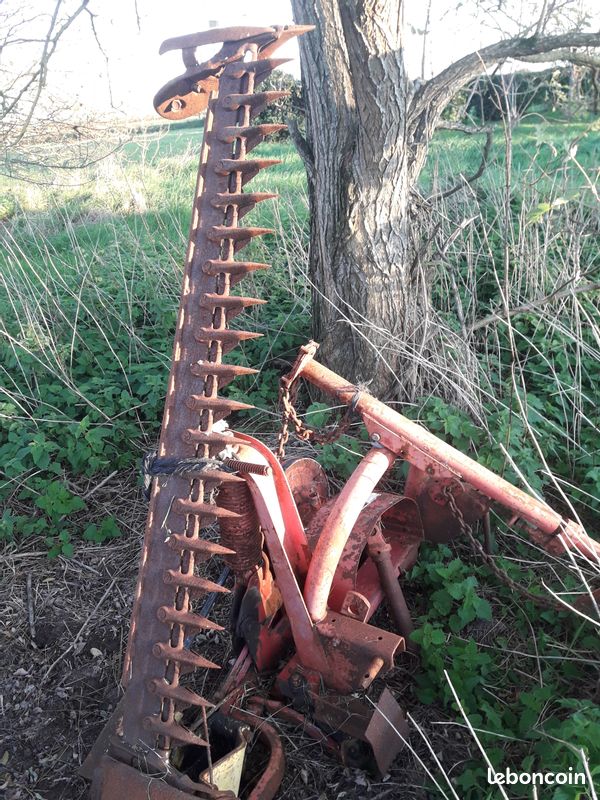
413,443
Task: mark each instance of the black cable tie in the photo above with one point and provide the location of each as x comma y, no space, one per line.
152,466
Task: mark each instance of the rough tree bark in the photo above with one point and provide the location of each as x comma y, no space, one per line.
367,136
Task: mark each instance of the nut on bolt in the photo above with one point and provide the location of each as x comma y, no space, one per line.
296,680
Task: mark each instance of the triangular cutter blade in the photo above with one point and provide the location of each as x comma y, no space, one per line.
387,732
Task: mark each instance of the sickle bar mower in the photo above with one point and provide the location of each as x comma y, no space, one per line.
309,570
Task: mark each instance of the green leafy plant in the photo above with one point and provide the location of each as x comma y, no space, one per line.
108,529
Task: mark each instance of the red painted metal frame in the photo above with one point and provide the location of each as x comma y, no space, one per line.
333,641
270,780
289,527
347,652
340,522
285,538
415,444
356,590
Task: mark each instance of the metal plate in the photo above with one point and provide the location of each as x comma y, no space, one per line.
309,485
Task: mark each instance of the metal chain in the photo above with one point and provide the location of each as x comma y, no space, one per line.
288,392
478,549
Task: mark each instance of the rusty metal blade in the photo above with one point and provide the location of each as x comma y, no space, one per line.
260,68
194,622
181,506
255,101
228,339
202,368
162,611
198,545
251,134
236,234
387,731
182,696
248,168
234,268
172,730
182,656
245,201
213,36
193,582
220,440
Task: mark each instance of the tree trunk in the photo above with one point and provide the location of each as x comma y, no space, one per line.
366,302
367,136
594,75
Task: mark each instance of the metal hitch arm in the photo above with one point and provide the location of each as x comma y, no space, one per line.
413,443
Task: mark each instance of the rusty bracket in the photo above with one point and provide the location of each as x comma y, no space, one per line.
370,735
305,355
187,95
113,780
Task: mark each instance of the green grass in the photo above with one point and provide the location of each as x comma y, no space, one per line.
90,282
90,279
539,148
89,286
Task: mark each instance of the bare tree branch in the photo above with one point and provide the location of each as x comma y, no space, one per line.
485,154
430,100
573,56
30,117
38,77
439,89
559,294
543,18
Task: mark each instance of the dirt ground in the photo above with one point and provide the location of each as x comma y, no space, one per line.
63,630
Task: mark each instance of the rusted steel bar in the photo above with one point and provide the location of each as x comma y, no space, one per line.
163,616
416,445
275,521
340,522
381,553
116,780
288,523
190,41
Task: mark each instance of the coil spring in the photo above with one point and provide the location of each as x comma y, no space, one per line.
242,533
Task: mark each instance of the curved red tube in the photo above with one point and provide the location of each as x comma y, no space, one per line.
270,781
338,527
